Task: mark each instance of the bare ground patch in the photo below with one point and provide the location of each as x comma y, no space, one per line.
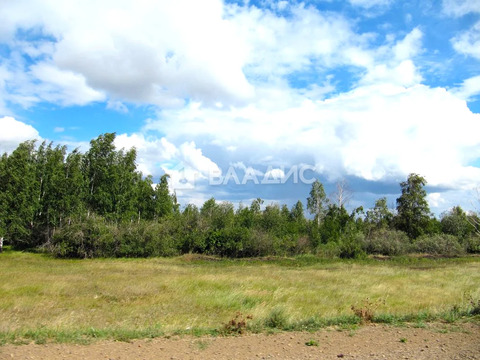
437,341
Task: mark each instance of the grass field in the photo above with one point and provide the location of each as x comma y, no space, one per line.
45,299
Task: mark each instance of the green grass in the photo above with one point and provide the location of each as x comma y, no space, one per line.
45,299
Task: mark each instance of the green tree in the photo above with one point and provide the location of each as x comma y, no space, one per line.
163,199
317,202
51,191
20,195
334,224
125,178
99,170
256,206
3,198
74,200
380,216
412,207
456,222
244,217
272,220
297,218
145,195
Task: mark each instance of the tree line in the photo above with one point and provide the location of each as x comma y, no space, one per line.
97,204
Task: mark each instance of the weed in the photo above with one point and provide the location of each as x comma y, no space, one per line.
312,342
277,319
366,312
474,306
453,314
202,345
236,326
420,325
403,340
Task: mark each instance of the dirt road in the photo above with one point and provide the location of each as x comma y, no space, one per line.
367,342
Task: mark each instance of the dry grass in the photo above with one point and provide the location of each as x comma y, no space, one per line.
179,294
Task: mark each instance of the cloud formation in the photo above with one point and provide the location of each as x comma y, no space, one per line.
145,52
259,88
14,132
459,8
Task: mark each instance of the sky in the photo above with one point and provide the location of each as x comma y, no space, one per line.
255,99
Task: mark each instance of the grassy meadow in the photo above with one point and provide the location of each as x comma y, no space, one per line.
47,299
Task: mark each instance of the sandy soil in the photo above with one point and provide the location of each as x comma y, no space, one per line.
368,342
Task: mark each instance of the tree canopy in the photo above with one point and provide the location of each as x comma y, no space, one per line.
97,203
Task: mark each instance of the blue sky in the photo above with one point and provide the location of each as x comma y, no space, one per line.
212,92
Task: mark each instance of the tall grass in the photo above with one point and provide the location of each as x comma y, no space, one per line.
50,298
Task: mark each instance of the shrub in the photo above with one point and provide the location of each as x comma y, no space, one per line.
159,239
262,243
329,250
387,242
277,319
439,244
238,325
87,238
350,245
366,312
472,244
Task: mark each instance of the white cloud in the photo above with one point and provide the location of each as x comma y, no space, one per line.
194,158
394,62
374,132
459,8
222,74
117,106
469,88
14,132
409,46
468,42
151,152
63,87
275,174
185,164
307,39
435,200
370,3
156,53
150,52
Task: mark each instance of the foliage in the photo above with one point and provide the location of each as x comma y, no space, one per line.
366,312
317,201
380,217
98,204
439,244
237,325
350,245
386,242
412,207
456,222
277,318
472,244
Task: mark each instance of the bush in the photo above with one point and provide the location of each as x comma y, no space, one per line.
262,243
387,242
439,244
329,250
86,238
277,319
146,239
350,245
92,237
472,244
